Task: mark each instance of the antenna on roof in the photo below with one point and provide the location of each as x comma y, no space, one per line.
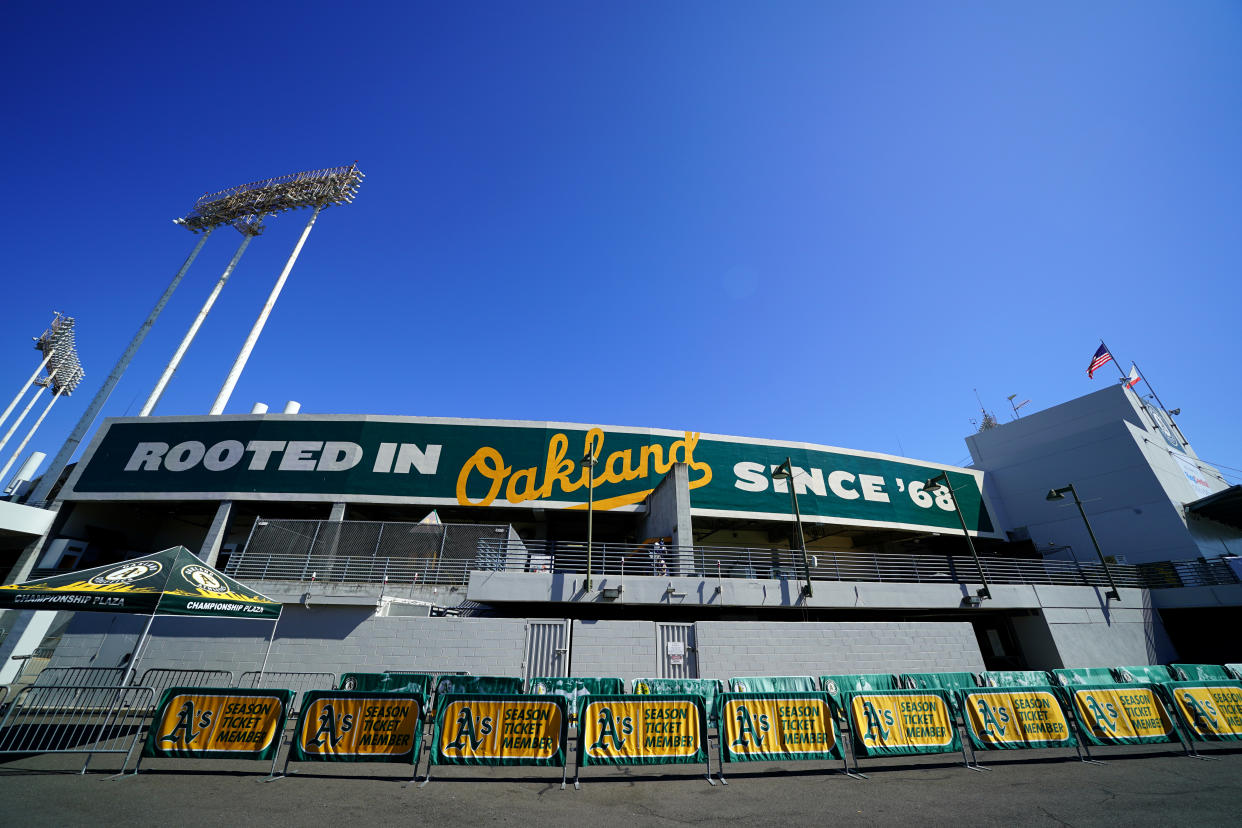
989,419
1016,406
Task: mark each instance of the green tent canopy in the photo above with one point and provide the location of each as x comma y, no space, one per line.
172,582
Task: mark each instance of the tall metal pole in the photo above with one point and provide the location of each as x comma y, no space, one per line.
806,566
1113,593
17,453
52,475
589,462
26,387
985,591
226,391
25,411
173,363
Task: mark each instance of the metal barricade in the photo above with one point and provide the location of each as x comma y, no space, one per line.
160,679
76,719
80,677
299,683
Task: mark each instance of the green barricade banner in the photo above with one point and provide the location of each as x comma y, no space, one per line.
1211,709
217,723
836,686
419,683
1121,714
1143,674
1234,670
777,726
1016,678
663,729
1016,717
773,684
1201,672
902,722
951,682
709,689
1084,675
500,729
344,726
573,688
447,683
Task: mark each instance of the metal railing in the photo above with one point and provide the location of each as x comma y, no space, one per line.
299,683
160,679
742,562
76,719
407,553
359,551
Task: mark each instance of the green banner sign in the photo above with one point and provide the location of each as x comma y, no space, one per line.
574,688
708,689
217,723
665,729
1011,718
1016,678
1211,710
1143,674
1121,714
902,722
1084,675
500,729
419,683
941,681
773,684
340,726
457,683
836,686
503,463
777,726
1200,672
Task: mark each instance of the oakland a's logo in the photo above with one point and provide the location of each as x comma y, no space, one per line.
993,719
127,573
876,721
204,578
329,731
1105,715
754,726
469,732
609,729
831,686
1203,712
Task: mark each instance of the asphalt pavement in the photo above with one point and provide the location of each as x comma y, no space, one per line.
1135,786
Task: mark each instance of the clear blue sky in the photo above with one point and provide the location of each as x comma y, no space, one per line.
814,221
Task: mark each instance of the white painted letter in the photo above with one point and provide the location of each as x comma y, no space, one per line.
750,477
425,462
146,456
837,481
263,452
184,455
224,455
873,487
383,458
339,456
299,456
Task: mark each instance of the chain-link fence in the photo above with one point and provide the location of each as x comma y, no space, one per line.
362,551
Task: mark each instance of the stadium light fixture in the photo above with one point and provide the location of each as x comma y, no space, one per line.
933,484
1059,494
785,472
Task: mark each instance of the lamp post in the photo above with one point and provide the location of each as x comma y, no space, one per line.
589,462
932,485
785,472
1059,494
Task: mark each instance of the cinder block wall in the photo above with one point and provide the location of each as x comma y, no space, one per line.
755,648
617,649
321,639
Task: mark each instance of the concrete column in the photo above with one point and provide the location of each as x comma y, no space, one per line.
338,513
210,551
668,516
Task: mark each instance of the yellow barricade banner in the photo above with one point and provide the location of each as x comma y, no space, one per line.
344,726
1121,714
777,726
500,729
642,730
223,723
1211,709
1015,718
902,722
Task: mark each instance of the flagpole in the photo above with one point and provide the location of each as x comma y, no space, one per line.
1114,361
1161,404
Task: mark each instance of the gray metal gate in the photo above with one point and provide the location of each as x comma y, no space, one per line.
676,652
547,649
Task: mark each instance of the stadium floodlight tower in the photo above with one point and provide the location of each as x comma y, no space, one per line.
315,189
64,373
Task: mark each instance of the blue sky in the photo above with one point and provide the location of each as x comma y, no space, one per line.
826,222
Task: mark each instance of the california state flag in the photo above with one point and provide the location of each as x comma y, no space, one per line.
1134,376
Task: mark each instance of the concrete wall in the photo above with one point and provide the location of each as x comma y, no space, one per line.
1090,633
620,649
748,648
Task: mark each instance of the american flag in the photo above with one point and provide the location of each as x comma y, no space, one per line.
1102,357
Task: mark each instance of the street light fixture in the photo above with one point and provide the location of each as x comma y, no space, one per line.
785,472
1059,494
934,484
589,461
